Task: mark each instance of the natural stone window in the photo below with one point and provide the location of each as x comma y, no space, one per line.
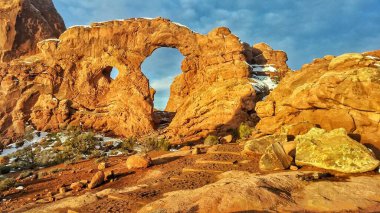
110,73
161,68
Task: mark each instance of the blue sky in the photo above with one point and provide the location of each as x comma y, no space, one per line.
304,29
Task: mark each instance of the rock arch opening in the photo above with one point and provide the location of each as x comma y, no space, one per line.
161,68
110,73
114,73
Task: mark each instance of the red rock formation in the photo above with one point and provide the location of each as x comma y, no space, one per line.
23,23
332,92
263,54
68,83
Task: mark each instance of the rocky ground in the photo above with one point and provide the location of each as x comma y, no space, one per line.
212,178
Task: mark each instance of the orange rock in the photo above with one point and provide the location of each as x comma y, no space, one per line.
138,162
264,54
24,23
96,180
340,92
68,82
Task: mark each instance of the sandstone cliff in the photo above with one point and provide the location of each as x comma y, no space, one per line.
23,23
68,82
331,92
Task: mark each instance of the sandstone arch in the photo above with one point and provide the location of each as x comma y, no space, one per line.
212,94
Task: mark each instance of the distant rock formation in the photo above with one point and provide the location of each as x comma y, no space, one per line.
331,92
68,82
23,23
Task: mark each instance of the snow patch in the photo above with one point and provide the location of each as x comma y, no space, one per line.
262,83
78,26
372,57
12,148
262,68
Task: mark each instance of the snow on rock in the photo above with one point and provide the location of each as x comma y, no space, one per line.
12,148
372,57
263,68
78,26
262,82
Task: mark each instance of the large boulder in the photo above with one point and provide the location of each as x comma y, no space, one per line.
260,145
332,92
96,180
138,161
275,158
333,150
24,23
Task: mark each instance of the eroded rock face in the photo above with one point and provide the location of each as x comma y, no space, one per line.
332,92
263,54
23,23
283,192
68,82
333,150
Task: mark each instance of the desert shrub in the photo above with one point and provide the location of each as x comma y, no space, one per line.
41,175
79,143
244,130
24,158
50,157
163,144
276,79
45,142
19,143
211,140
29,133
114,152
97,154
5,170
155,144
56,170
101,159
128,144
24,174
7,184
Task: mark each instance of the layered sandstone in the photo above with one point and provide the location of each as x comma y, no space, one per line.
68,82
23,23
263,54
332,92
238,191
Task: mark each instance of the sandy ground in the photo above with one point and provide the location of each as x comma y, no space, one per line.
167,174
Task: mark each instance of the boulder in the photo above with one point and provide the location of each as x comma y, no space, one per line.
275,158
96,180
76,186
24,23
138,161
260,145
102,166
330,93
334,150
